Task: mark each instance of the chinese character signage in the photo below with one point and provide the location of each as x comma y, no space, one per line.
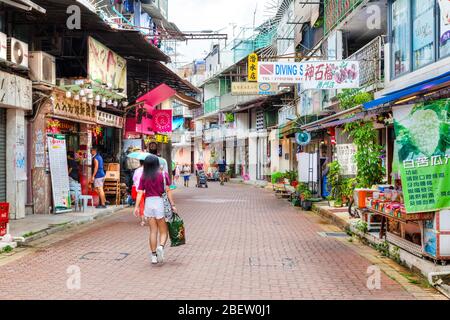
59,172
73,109
162,120
253,67
158,138
105,66
423,146
345,154
109,120
253,88
312,75
15,91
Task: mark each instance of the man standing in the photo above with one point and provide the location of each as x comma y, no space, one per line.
98,177
222,170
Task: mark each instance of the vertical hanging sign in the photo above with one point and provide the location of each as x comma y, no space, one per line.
253,67
59,172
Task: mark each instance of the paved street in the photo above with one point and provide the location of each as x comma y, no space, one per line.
243,243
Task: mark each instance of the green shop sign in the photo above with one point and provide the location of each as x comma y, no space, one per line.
423,153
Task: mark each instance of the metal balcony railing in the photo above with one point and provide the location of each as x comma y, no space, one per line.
371,59
197,113
212,105
336,11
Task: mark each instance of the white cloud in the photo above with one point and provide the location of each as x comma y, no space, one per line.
215,15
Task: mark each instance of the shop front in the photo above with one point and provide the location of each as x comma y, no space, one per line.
15,101
61,126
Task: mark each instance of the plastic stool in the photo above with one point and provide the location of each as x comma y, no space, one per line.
85,199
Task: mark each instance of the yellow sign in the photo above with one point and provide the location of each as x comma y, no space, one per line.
158,138
253,67
253,88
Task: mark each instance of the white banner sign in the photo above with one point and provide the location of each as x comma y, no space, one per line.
253,88
345,154
59,172
313,74
110,120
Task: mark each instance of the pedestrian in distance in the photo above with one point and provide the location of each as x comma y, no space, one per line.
186,172
151,186
177,173
222,170
98,177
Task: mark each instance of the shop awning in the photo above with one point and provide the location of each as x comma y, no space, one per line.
158,95
411,92
177,123
128,44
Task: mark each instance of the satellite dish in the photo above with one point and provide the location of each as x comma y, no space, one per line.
303,138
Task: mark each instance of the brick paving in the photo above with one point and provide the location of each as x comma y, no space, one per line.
243,243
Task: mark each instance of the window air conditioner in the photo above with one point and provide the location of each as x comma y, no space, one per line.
42,66
18,53
3,47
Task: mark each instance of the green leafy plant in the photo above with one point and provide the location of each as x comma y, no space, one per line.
291,175
334,176
277,177
348,186
6,249
229,117
368,154
361,226
350,98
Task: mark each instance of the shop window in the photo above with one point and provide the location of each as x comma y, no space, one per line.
423,32
400,37
444,28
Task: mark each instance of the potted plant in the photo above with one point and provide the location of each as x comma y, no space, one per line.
292,176
277,177
348,186
335,179
306,200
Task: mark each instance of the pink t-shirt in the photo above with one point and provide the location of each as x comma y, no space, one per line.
154,187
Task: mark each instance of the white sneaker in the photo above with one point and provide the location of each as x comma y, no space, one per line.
160,253
154,259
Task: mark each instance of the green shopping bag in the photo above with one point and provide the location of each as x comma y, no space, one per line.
176,230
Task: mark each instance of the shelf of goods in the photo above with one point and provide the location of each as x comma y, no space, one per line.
431,230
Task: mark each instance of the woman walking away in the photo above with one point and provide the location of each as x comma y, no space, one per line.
136,180
152,184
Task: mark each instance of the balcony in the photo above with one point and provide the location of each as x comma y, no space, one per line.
286,114
337,10
227,100
371,58
197,113
182,111
212,105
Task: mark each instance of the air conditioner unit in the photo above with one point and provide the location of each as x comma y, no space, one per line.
18,52
42,67
3,46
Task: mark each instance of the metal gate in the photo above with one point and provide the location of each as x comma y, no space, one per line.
2,155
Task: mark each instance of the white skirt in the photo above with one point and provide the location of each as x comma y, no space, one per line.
154,207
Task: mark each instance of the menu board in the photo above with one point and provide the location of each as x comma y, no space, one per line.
345,154
59,172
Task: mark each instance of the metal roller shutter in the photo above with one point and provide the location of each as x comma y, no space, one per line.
2,155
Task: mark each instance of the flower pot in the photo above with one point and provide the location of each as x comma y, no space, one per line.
307,205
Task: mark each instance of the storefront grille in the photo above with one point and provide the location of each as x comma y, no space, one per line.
2,155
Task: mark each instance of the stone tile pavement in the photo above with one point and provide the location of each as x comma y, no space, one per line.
243,243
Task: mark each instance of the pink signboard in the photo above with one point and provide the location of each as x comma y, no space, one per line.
162,121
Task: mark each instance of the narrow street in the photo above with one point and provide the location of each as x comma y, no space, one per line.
243,243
